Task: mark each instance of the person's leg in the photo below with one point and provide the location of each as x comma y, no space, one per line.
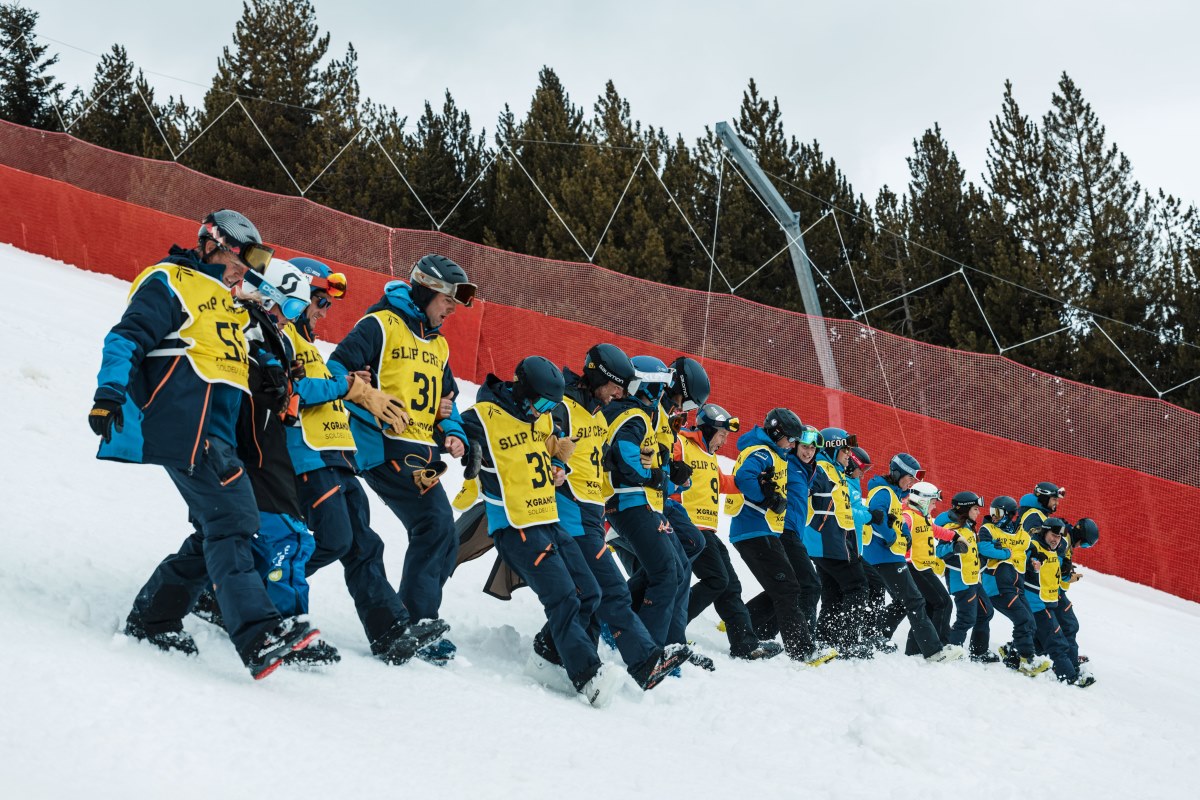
981,633
377,603
738,626
964,615
709,569
1051,639
1065,612
633,641
765,558
937,606
806,575
647,535
905,594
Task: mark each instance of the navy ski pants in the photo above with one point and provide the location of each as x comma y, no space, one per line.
668,573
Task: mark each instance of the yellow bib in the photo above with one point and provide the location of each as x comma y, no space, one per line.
325,426
968,562
703,500
1049,575
654,497
923,545
841,497
735,503
521,464
586,473
1017,543
411,368
900,546
211,336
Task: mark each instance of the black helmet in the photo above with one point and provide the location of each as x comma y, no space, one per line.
691,381
538,385
859,459
903,464
1045,490
963,501
783,422
607,363
1085,533
1003,508
438,274
233,231
1055,525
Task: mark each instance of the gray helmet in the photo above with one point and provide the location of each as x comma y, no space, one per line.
234,232
438,274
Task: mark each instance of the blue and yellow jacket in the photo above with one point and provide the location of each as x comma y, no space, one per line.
862,514
830,517
585,470
1030,512
752,520
1043,584
150,364
631,483
319,393
800,477
886,544
965,571
363,348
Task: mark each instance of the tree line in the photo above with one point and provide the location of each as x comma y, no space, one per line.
1057,215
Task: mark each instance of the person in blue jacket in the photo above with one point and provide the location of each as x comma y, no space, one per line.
335,505
873,627
399,342
174,372
964,574
885,550
761,473
1005,585
829,540
800,468
637,475
1043,582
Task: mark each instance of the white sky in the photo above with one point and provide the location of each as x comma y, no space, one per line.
862,78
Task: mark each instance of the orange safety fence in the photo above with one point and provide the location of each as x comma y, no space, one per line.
975,421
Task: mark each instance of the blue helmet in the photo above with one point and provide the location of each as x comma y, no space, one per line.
836,439
651,378
903,464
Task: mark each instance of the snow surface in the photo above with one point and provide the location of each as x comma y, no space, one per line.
86,711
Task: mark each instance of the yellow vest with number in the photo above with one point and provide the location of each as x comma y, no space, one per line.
325,426
585,470
900,546
521,465
1050,573
1017,543
923,544
654,497
968,562
735,503
411,368
211,336
703,500
841,497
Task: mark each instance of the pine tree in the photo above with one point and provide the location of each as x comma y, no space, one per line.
274,72
28,92
445,159
119,113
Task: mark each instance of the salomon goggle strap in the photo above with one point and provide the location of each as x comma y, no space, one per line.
462,292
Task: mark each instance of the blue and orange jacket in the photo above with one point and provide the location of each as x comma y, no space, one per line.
361,348
314,392
169,410
983,543
750,523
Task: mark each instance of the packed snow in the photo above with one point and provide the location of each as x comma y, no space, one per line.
89,712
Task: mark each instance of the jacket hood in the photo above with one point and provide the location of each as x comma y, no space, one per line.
879,480
397,297
499,392
1030,500
755,436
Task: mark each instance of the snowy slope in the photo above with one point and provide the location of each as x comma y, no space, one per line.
86,711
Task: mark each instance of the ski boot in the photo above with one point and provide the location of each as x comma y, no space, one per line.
600,689
766,649
402,641
1082,679
175,640
986,658
654,670
318,654
292,634
951,652
439,653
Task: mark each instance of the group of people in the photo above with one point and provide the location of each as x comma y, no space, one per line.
212,372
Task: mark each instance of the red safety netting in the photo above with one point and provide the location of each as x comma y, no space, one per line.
115,213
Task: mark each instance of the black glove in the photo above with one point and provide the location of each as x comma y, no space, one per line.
274,376
657,476
877,516
297,371
892,520
960,545
104,416
777,503
681,473
766,482
472,460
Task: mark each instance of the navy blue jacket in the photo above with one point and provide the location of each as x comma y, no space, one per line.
800,476
623,459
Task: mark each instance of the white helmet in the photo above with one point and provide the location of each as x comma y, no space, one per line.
922,495
282,284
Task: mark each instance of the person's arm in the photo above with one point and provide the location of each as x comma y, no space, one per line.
153,313
882,500
625,456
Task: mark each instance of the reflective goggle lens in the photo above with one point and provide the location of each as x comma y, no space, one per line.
811,437
733,425
290,307
256,256
544,404
322,301
335,284
920,475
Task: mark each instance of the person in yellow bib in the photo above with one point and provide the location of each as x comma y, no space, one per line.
399,454
174,373
335,505
964,557
1007,596
511,421
927,568
1043,581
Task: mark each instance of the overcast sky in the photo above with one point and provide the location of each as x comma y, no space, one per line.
862,78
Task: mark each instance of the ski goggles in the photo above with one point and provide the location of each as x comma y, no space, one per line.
254,255
334,284
1061,493
857,464
322,301
462,292
290,307
810,438
543,405
646,379
846,441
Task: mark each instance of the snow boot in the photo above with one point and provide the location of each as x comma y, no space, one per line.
206,608
1083,680
766,649
702,661
547,673
656,668
401,642
600,689
290,635
951,652
819,656
986,658
1034,666
318,654
177,640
